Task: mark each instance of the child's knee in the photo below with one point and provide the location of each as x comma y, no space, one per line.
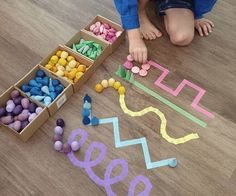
181,38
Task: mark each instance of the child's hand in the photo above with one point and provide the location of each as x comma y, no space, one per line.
137,47
204,26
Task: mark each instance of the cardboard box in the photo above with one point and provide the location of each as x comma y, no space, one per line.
87,36
60,100
28,131
118,27
80,58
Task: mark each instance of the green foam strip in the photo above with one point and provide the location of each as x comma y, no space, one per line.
168,103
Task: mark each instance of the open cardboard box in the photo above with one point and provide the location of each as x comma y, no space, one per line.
28,131
60,99
106,47
116,26
80,58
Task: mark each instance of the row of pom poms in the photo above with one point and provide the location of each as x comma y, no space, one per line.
43,88
18,112
110,83
86,113
58,139
66,66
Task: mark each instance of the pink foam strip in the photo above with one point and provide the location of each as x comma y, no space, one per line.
175,92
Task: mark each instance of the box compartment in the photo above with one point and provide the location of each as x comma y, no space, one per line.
60,99
118,27
88,36
80,58
34,125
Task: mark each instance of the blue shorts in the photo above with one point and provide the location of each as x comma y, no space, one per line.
163,5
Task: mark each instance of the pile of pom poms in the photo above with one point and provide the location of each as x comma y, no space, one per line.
58,145
129,65
18,112
88,48
86,113
112,83
43,88
105,31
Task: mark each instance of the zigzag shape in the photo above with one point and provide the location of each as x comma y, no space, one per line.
128,76
184,83
172,162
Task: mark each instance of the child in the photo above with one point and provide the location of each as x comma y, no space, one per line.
180,18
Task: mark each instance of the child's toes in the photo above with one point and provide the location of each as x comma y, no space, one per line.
205,29
145,36
157,33
199,28
209,27
151,35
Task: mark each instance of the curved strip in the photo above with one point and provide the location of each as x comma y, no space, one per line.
136,181
163,122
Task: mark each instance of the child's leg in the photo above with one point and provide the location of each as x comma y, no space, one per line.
179,23
147,29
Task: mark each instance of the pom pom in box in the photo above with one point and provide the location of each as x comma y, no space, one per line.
91,65
112,24
106,47
60,99
35,124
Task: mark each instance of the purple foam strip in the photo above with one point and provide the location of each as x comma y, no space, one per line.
87,164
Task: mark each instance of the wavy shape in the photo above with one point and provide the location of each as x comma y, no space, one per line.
163,122
130,78
196,100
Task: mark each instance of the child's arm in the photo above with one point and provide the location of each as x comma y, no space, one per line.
128,10
201,7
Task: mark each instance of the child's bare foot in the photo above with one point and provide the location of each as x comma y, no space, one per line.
147,29
204,26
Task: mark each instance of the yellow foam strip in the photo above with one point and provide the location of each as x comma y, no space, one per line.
163,122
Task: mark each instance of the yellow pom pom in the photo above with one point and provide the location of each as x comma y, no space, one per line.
111,81
71,75
54,69
70,58
61,68
81,68
54,59
64,54
48,66
68,68
50,63
62,61
104,83
78,75
77,64
116,85
57,65
72,64
66,73
60,73
98,88
59,53
121,90
74,70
